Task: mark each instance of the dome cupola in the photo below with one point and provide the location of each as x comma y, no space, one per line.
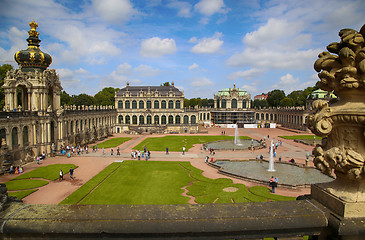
33,58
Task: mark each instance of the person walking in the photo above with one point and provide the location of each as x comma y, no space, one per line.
272,184
167,151
183,153
71,173
61,175
111,152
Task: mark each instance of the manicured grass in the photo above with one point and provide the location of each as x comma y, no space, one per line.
113,142
50,172
78,195
311,137
22,194
144,182
25,184
266,193
176,143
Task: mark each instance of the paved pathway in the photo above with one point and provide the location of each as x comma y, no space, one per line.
92,163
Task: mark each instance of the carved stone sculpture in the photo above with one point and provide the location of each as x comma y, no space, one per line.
342,152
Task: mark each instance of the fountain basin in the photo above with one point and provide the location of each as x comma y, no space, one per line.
290,175
229,145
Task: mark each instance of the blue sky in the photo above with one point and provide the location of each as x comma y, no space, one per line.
202,46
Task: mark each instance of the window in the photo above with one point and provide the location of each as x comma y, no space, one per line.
141,119
25,136
163,119
186,119
149,104
141,104
134,119
171,104
120,104
244,104
193,119
177,104
134,104
171,119
234,103
156,119
217,103
156,104
177,119
127,119
120,119
149,119
224,104
208,116
163,104
127,104
14,137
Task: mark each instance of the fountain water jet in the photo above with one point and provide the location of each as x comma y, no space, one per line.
271,162
237,140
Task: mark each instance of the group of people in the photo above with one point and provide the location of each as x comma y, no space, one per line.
15,170
71,174
145,154
71,150
273,183
112,151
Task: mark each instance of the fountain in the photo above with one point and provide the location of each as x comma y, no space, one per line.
237,140
271,162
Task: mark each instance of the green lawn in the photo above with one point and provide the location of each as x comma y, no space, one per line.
176,143
300,137
22,194
25,184
144,182
50,172
113,142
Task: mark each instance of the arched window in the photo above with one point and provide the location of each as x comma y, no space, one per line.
257,116
171,119
177,104
149,119
244,104
163,104
120,104
127,119
134,104
156,104
201,116
2,135
127,104
267,117
156,119
141,104
218,103
234,103
25,136
134,119
149,104
171,104
193,119
14,137
224,103
186,119
163,119
208,116
120,119
262,116
141,119
271,117
204,116
177,119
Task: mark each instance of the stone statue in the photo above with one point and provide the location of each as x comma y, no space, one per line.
342,70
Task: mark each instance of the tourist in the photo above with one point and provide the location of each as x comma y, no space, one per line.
183,153
38,158
167,151
118,151
272,184
206,159
139,155
111,152
261,157
61,175
16,170
102,151
149,154
11,170
292,160
71,173
21,170
280,159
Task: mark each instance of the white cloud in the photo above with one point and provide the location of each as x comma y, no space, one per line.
123,69
81,71
287,82
114,11
248,74
208,45
17,39
156,47
146,71
201,82
193,40
184,8
193,66
250,88
68,79
210,7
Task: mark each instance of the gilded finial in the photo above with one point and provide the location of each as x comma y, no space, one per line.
33,29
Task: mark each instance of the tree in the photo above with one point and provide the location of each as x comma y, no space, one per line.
66,99
287,102
83,99
260,103
165,84
193,102
299,97
186,102
106,96
274,97
3,70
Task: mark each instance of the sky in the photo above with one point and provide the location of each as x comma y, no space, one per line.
202,46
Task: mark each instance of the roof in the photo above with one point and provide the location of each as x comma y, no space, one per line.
226,91
163,90
321,94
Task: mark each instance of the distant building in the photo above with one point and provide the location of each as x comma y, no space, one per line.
319,94
231,106
263,96
154,109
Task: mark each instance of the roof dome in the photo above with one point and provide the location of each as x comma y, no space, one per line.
33,58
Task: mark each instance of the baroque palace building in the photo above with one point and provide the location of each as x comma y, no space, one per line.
33,120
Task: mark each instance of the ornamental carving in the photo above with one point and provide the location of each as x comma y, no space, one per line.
342,70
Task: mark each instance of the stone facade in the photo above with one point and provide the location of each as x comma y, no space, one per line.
154,109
